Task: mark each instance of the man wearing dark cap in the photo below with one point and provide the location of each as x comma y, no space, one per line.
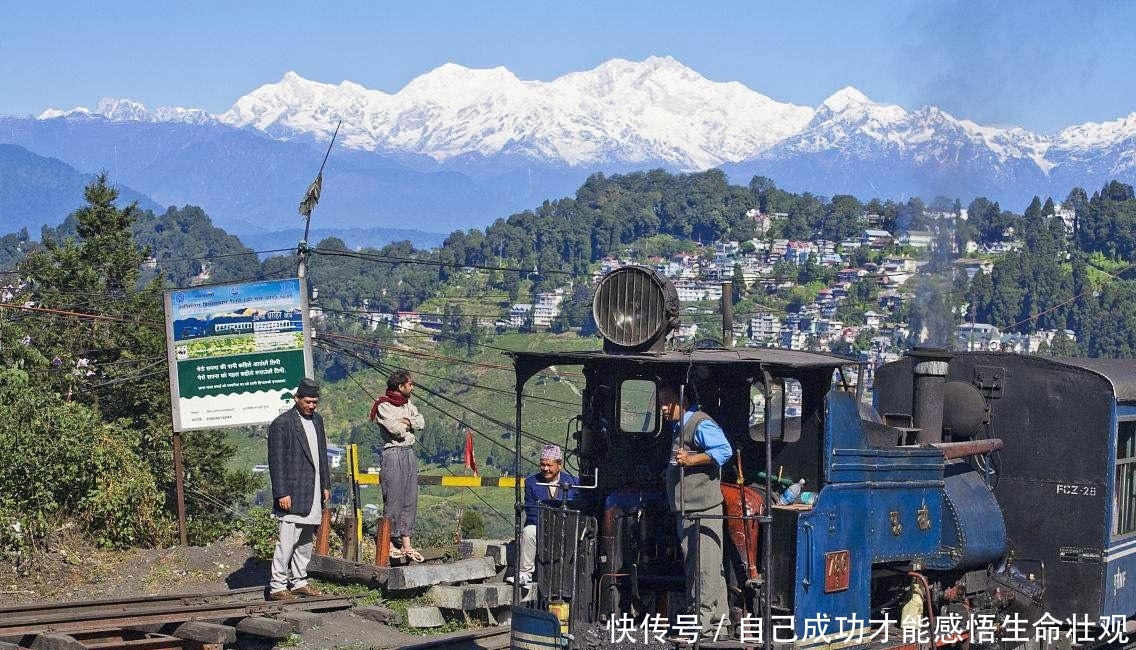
301,482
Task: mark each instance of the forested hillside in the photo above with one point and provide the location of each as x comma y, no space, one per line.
475,273
38,190
1081,281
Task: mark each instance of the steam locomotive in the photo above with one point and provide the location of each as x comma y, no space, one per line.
980,499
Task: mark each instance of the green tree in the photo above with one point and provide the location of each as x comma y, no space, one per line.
738,285
472,524
13,248
842,218
1063,346
106,343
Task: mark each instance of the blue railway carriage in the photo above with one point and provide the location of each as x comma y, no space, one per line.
986,501
1065,479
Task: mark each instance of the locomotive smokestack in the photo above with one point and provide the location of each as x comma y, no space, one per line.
930,377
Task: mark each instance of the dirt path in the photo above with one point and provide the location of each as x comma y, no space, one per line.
73,571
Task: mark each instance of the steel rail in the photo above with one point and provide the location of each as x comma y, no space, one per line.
249,594
120,615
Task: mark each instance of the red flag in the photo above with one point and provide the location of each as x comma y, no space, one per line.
470,461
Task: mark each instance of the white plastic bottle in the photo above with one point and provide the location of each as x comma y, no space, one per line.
789,496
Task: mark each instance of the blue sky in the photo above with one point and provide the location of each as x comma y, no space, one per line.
1042,65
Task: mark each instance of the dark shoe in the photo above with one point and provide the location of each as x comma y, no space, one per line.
306,590
281,595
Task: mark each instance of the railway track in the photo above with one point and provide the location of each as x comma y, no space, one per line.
95,616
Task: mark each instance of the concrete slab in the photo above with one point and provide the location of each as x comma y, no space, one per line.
269,628
478,547
56,642
501,553
205,632
471,597
301,621
428,575
378,614
420,617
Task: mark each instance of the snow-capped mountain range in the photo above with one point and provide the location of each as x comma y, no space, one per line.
654,112
130,111
459,148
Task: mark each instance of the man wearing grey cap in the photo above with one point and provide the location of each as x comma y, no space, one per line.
301,482
551,471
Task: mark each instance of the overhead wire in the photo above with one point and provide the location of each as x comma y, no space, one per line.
385,367
222,255
392,325
446,467
416,353
120,380
550,400
453,337
79,315
381,366
1065,302
404,349
391,259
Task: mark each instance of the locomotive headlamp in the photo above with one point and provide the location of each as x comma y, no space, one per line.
635,308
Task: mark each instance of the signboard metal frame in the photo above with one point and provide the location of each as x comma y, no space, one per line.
223,313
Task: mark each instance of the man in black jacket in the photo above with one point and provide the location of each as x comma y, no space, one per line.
301,482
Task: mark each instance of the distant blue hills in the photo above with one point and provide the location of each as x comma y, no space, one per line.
250,185
36,191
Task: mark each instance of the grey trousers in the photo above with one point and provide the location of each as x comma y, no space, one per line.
400,489
293,552
706,568
528,549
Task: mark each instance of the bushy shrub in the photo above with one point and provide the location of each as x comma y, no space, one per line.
260,529
59,462
472,524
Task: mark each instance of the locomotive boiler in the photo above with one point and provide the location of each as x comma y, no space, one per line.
984,497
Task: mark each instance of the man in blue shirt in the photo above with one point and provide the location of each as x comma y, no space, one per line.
551,471
694,478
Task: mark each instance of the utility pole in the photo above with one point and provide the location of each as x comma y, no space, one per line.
727,314
311,197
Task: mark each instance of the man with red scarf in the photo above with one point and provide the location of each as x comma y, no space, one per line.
398,420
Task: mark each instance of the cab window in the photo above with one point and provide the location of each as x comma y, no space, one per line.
781,420
1124,508
638,411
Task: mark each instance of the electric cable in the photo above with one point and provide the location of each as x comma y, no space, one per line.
391,259
384,367
80,315
446,467
387,368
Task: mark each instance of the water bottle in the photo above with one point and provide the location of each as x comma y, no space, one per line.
789,496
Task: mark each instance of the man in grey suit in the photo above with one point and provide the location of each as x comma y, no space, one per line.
301,482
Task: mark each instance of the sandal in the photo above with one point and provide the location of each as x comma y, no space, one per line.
414,555
395,553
